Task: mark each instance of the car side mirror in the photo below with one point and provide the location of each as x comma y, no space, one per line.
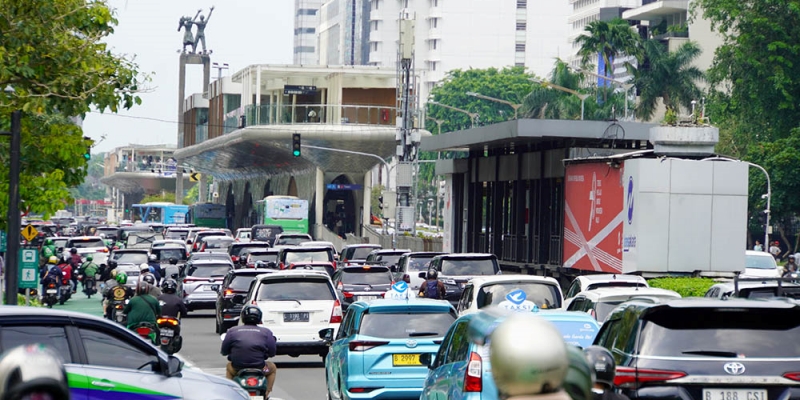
238,299
423,275
326,334
174,366
393,268
188,241
426,359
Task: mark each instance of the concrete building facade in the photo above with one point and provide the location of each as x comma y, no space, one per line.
306,21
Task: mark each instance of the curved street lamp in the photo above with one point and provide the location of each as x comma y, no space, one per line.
581,96
512,105
625,85
472,116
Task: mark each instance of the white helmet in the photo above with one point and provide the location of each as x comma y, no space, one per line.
32,369
144,267
528,355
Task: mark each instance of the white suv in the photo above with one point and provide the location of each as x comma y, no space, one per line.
296,305
544,292
88,245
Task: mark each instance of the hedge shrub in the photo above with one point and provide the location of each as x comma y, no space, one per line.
685,286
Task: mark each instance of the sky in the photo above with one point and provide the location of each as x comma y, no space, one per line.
240,33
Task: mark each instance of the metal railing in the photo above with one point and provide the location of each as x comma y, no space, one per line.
287,114
124,166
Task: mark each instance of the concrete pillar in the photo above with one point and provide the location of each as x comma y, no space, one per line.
367,202
319,198
258,97
178,185
203,192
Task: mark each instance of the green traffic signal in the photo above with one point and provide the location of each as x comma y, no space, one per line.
296,144
87,156
296,153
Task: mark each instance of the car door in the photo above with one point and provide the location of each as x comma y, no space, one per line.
465,301
339,352
54,337
118,364
448,381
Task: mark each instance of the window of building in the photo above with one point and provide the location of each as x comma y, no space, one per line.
306,11
522,4
298,31
434,43
433,65
375,4
435,3
374,25
304,49
519,64
434,22
373,46
520,47
521,26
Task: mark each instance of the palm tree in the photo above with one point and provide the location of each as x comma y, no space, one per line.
608,39
546,103
668,75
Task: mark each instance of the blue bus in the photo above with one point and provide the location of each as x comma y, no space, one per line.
159,212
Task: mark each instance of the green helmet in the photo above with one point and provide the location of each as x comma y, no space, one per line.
580,375
48,242
89,258
122,278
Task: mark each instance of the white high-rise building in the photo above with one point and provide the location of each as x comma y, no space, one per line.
343,32
450,34
306,22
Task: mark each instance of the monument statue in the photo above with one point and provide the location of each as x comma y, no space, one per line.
190,39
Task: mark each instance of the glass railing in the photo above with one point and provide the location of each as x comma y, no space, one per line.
144,166
315,114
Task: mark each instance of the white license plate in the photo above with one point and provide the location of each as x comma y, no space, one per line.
366,298
734,394
256,397
167,332
52,291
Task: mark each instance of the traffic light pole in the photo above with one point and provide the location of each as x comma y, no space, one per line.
12,249
385,164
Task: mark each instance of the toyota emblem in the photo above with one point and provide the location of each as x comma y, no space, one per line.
734,368
366,289
411,343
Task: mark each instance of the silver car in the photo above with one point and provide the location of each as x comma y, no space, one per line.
202,281
106,360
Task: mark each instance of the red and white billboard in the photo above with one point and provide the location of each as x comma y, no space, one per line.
593,217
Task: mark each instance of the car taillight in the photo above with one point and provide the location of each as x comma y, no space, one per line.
105,250
364,345
336,313
347,294
795,376
473,382
228,292
363,389
628,377
234,258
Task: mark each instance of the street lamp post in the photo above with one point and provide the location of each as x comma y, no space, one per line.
512,105
472,116
14,229
625,86
581,96
438,122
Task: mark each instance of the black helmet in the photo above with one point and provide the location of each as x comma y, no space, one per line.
602,362
170,286
112,264
173,260
251,315
433,274
149,278
73,251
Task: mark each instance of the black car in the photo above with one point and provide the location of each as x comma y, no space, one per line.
265,233
705,349
364,282
236,282
267,256
387,257
237,249
356,253
455,270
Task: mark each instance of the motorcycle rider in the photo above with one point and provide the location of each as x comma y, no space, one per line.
48,249
433,288
171,304
148,277
52,274
172,271
66,273
75,262
155,267
143,307
604,367
88,269
115,290
249,346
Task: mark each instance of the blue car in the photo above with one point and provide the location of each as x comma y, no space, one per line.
376,352
461,369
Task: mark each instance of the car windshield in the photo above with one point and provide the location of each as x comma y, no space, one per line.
290,289
405,325
293,257
86,243
218,244
109,232
241,282
603,308
760,262
164,254
263,257
366,277
290,241
476,266
130,258
243,234
419,263
360,253
209,270
725,332
543,295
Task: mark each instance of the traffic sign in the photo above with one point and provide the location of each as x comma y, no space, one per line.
29,232
194,177
28,267
3,241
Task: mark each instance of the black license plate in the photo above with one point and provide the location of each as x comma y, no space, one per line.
295,317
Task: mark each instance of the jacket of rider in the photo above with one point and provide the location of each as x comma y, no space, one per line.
249,346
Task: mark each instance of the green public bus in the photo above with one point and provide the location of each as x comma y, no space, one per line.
288,212
208,215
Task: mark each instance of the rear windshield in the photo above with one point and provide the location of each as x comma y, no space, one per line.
107,231
360,253
218,244
468,267
389,259
130,258
262,257
209,270
760,262
604,308
543,295
324,268
238,250
397,326
291,241
768,292
419,263
727,332
293,257
166,254
181,235
366,277
241,282
84,244
295,289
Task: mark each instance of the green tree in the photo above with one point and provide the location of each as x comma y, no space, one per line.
91,188
192,195
168,197
608,40
756,71
52,53
668,75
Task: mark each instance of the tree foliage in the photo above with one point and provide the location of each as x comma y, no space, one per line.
91,188
608,40
53,56
685,286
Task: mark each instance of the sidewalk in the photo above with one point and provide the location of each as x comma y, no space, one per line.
79,302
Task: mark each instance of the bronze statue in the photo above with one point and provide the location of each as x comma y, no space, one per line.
192,40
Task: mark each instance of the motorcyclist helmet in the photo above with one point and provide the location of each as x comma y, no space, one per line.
122,278
580,376
48,242
32,371
149,278
152,257
143,267
528,356
251,315
89,258
143,287
433,274
112,264
173,260
73,251
261,264
52,260
603,364
170,286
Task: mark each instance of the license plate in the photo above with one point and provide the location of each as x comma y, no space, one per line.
366,297
406,360
167,332
295,317
734,394
52,291
215,287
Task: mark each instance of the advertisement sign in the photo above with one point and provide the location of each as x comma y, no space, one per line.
593,217
288,209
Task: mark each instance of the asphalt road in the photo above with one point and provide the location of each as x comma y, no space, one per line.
298,378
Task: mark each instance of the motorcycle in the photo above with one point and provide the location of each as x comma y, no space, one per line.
65,290
252,380
170,334
145,330
50,295
89,286
117,313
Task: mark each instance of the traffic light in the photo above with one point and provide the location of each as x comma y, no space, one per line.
87,155
296,144
380,201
